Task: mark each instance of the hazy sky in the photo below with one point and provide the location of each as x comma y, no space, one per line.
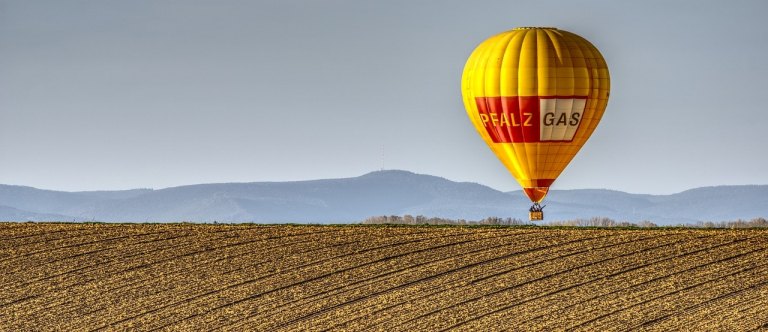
117,94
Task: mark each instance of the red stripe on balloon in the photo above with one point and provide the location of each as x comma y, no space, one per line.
510,119
513,119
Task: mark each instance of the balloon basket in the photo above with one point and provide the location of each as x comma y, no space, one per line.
536,212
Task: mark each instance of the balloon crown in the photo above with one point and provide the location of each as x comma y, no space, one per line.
531,28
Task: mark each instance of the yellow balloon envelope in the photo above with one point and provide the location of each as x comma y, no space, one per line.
535,95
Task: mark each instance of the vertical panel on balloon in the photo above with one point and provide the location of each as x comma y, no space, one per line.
509,65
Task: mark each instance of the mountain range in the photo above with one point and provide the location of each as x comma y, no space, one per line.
390,192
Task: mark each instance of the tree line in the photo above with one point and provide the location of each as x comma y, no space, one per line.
591,222
422,220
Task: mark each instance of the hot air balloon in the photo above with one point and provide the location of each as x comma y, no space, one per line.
535,95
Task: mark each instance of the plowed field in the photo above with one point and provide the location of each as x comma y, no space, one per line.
272,278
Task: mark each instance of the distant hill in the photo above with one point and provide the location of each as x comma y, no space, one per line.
14,214
719,203
376,193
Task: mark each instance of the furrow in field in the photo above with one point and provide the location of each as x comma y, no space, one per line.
54,246
518,312
23,234
432,278
82,257
193,272
172,238
571,303
271,265
18,275
145,274
514,287
636,315
728,307
624,303
750,317
423,297
57,284
332,296
333,273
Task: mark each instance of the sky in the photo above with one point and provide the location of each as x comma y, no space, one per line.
117,94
